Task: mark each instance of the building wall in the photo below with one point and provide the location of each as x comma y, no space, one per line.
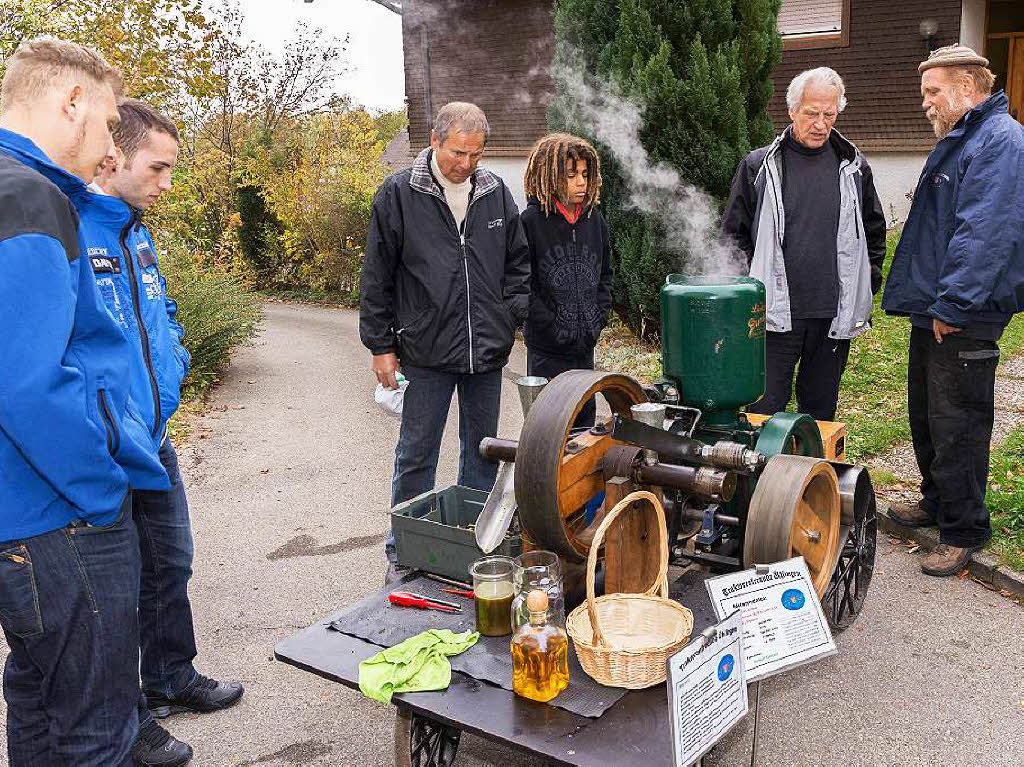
879,68
896,175
511,170
495,53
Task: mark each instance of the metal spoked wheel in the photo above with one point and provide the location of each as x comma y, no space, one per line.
557,471
422,742
851,577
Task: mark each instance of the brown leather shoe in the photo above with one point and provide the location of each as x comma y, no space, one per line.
910,515
946,560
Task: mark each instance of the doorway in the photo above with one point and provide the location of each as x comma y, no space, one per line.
1004,48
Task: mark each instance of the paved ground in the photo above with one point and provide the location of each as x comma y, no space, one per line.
289,485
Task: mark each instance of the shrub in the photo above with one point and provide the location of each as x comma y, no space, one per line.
217,312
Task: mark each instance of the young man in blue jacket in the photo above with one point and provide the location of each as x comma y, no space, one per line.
128,276
958,273
71,440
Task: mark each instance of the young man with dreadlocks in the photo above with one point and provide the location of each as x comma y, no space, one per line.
570,258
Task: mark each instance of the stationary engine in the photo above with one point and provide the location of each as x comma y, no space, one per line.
738,489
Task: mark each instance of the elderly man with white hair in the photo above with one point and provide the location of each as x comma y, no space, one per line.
805,211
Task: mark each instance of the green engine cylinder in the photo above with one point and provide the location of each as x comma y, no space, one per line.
712,342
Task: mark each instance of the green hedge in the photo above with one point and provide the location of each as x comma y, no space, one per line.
218,314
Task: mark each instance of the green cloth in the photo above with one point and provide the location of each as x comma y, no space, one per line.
417,664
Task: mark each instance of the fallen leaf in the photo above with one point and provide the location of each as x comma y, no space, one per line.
913,549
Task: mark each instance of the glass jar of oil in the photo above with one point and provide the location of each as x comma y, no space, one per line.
492,595
540,662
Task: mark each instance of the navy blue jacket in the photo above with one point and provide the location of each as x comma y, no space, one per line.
128,276
961,256
70,438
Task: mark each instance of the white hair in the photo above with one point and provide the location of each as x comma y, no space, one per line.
820,76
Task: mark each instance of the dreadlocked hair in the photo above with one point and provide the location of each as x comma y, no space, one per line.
545,176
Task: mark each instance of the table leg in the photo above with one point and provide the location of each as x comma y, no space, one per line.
422,742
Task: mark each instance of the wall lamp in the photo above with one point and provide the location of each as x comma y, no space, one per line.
928,29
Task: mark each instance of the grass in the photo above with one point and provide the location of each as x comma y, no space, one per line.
873,395
1005,499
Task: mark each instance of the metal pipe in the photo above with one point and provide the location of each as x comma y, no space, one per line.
496,449
700,480
708,483
723,519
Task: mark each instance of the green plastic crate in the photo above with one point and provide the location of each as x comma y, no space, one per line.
432,532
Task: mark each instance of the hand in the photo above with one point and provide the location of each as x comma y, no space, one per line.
940,328
386,367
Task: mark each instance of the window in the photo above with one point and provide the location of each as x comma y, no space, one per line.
814,24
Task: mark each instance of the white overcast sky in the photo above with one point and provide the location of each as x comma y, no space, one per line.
374,54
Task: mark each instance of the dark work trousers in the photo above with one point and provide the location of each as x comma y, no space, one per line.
69,609
167,637
822,362
549,366
424,413
951,399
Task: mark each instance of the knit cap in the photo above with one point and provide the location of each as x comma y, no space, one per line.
955,55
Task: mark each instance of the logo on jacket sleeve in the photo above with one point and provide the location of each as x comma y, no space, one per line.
145,255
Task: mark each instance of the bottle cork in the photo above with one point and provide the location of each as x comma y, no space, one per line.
537,601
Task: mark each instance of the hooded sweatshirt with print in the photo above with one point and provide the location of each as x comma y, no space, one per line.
570,280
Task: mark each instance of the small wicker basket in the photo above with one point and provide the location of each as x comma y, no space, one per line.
624,640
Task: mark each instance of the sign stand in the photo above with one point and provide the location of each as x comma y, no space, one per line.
759,570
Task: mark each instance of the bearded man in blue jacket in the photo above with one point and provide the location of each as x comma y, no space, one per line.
128,277
958,273
71,439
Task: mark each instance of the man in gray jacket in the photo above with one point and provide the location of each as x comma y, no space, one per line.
805,211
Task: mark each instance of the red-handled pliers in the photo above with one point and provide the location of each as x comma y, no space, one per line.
408,599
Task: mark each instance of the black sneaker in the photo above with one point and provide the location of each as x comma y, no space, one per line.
155,747
203,696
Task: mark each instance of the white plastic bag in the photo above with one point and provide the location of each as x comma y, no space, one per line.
391,400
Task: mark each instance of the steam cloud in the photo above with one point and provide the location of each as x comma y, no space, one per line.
688,216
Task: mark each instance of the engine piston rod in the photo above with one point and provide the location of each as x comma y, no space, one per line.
701,480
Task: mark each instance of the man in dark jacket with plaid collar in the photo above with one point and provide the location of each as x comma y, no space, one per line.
958,274
445,283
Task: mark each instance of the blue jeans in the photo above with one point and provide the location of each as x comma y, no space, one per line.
166,635
424,412
68,607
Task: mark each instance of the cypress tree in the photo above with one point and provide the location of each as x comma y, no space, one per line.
701,71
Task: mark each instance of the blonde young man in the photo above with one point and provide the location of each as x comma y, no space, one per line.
71,440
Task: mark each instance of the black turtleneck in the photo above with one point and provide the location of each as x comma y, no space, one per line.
810,195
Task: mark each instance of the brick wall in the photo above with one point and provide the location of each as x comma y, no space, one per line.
879,68
494,53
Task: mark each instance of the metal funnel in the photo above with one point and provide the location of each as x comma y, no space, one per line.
529,388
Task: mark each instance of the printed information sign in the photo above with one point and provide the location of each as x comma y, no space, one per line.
707,690
783,623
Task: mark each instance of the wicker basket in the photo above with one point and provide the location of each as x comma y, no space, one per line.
624,640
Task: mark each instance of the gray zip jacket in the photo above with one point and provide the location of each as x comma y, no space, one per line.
755,220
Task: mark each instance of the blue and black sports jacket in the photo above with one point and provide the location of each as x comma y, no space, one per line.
128,276
70,438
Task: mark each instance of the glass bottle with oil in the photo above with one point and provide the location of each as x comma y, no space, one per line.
540,664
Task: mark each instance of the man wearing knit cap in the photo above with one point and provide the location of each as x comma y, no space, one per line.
958,274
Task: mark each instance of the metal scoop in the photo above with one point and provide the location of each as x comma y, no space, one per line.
500,506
